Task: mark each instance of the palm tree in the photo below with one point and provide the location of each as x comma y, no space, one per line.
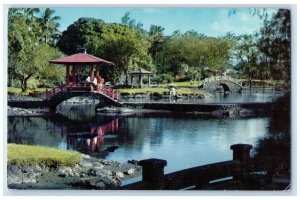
48,24
29,13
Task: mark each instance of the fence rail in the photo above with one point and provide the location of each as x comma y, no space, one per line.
54,91
216,78
153,177
111,93
105,90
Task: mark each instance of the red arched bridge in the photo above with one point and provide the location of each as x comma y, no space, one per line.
105,94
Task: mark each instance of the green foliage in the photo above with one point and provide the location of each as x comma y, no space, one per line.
49,26
275,45
163,78
30,155
193,51
126,47
85,32
28,55
267,54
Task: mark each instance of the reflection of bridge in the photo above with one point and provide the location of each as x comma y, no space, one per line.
89,141
226,83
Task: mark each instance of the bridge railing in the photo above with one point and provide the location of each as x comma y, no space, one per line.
54,91
201,177
112,93
216,78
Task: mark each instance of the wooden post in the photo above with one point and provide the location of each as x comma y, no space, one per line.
92,73
141,80
97,70
74,75
241,152
67,75
148,80
153,173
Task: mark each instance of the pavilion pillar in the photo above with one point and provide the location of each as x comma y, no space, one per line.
97,74
97,70
141,80
148,80
92,73
68,75
131,81
74,75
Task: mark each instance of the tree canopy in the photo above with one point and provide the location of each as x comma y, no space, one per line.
27,55
33,39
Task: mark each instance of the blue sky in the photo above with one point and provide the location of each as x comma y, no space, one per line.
209,21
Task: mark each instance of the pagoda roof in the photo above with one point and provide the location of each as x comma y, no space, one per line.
140,71
80,58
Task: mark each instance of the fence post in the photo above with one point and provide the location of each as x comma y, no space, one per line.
241,152
153,173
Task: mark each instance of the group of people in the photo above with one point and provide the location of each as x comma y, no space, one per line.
86,81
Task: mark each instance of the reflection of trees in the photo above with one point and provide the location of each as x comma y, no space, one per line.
52,130
33,130
274,151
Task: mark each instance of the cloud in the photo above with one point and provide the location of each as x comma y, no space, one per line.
239,23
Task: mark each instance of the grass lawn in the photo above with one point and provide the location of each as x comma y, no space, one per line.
29,155
13,90
182,88
159,90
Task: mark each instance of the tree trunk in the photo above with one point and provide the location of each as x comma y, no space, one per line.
24,80
23,84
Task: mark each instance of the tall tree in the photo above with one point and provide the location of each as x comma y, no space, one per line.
26,56
49,26
128,21
121,44
247,54
275,45
157,40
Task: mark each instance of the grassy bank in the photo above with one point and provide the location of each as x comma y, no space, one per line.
13,90
182,88
29,155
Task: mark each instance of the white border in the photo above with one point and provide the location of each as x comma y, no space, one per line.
155,3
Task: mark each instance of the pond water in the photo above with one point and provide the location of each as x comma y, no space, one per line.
245,97
181,139
184,141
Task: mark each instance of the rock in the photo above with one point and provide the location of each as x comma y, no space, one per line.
13,179
130,171
92,183
26,169
15,170
98,172
98,166
118,175
37,168
29,178
105,162
65,171
85,156
76,174
84,163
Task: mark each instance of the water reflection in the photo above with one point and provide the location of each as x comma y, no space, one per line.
89,141
184,141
